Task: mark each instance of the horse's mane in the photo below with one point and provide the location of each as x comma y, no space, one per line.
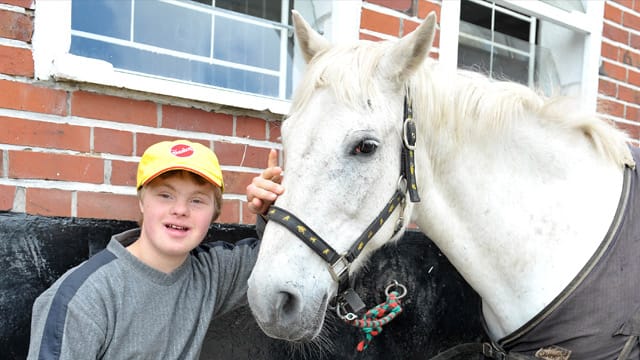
465,103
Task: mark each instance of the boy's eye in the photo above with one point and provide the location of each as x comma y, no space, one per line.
199,201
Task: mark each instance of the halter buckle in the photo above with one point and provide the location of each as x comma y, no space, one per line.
338,268
409,134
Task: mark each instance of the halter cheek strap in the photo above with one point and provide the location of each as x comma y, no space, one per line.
338,265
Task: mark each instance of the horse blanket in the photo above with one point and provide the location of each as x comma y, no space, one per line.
598,313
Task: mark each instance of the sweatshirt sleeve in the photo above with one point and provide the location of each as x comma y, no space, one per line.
63,329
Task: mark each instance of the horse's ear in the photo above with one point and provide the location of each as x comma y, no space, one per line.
409,52
309,41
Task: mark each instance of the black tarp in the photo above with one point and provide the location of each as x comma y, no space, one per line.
439,311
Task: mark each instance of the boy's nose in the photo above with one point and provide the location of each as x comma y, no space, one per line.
180,208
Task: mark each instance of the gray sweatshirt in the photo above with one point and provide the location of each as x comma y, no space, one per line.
113,306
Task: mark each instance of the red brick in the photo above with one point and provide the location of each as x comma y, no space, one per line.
607,88
625,3
612,13
108,206
636,5
633,131
631,21
43,134
123,173
379,22
36,165
609,51
16,26
399,5
241,155
236,182
612,108
20,96
112,141
635,41
16,61
425,7
628,94
180,118
631,58
616,34
143,141
634,77
251,128
614,71
230,212
48,202
7,193
27,4
369,37
105,107
632,113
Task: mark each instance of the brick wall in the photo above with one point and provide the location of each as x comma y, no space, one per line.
620,67
71,150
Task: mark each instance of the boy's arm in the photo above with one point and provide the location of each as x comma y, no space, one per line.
60,329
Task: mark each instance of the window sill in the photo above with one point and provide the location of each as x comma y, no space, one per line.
80,69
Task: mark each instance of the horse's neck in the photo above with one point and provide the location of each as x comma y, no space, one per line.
518,214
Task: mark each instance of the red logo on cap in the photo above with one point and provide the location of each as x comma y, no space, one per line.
182,150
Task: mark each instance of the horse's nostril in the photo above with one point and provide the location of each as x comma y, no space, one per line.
286,304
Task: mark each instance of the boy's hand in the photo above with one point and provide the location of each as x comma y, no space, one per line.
265,189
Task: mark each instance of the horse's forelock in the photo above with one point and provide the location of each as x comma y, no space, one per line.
348,71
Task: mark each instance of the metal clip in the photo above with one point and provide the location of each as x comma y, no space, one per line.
338,268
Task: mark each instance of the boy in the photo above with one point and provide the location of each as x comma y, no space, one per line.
153,291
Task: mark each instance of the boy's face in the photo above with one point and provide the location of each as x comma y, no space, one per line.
177,211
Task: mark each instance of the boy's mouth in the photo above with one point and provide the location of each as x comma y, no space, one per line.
176,227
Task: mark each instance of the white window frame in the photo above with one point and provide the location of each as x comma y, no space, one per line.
52,60
588,24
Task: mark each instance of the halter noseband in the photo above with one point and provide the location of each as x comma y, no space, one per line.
339,264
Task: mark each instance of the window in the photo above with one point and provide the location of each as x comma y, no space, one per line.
550,45
188,41
234,52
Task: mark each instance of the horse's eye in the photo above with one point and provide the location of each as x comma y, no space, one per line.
365,147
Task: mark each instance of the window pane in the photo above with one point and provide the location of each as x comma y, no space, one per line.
497,55
265,9
181,29
102,17
248,44
510,65
515,27
475,14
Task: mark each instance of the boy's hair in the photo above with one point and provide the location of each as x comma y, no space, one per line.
217,192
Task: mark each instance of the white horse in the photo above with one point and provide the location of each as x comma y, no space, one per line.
517,190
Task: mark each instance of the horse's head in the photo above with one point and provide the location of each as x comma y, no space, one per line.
342,148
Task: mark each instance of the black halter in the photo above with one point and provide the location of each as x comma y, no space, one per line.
339,264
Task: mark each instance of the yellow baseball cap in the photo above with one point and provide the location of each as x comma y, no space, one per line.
179,155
